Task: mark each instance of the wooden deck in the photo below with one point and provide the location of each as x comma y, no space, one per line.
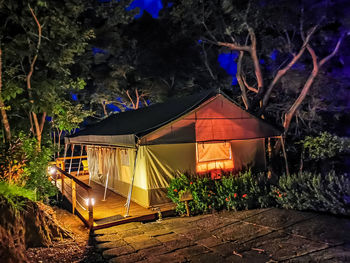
111,211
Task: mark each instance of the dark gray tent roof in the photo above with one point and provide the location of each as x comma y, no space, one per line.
121,128
145,120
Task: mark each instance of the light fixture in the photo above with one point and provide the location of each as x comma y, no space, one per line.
87,201
51,170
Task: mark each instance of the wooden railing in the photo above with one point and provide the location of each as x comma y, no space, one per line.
75,164
74,181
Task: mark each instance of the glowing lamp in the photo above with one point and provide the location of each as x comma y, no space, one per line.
88,200
51,170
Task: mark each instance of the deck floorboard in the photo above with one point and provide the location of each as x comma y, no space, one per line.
112,207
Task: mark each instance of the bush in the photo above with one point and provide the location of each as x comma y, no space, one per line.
231,192
316,192
323,147
26,166
15,195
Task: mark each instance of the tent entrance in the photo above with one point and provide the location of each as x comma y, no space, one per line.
213,157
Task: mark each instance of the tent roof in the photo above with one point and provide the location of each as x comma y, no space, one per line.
146,119
121,127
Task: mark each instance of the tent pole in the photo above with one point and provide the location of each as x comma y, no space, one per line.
109,168
284,155
81,154
86,149
132,184
71,159
64,156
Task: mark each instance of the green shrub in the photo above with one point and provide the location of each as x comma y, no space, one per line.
316,192
25,165
231,192
35,169
323,147
15,195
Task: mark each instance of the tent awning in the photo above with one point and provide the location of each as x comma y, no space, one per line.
127,140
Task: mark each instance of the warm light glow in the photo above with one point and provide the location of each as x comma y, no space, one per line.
51,170
214,157
87,201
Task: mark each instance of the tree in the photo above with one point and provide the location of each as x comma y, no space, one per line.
41,40
281,33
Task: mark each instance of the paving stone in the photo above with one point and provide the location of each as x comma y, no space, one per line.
280,245
173,257
241,232
181,230
154,226
169,237
137,238
210,257
116,252
248,256
112,244
145,244
129,258
107,238
131,233
159,232
324,228
215,222
192,250
213,238
334,254
209,242
241,215
178,243
117,229
279,218
224,249
197,234
154,251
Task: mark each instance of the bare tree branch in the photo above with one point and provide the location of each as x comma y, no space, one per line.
284,70
316,68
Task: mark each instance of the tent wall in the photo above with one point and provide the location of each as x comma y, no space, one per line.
161,164
249,154
217,119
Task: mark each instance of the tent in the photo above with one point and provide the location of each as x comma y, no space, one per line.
136,153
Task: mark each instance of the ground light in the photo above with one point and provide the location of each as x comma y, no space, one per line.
87,201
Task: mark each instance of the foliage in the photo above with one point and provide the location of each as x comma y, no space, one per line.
14,195
323,146
316,192
231,192
35,170
25,166
66,116
51,62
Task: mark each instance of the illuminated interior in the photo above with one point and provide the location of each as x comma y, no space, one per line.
214,157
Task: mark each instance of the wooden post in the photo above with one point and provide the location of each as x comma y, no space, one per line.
185,197
91,213
187,208
74,197
62,184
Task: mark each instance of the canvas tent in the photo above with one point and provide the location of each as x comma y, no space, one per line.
142,150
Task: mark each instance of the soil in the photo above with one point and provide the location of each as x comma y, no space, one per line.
75,249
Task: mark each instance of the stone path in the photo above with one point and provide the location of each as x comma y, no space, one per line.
264,235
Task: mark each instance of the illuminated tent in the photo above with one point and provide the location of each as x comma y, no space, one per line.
140,151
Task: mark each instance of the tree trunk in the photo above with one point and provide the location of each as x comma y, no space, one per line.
4,118
38,126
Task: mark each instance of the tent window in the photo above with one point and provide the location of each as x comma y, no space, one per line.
214,156
124,157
